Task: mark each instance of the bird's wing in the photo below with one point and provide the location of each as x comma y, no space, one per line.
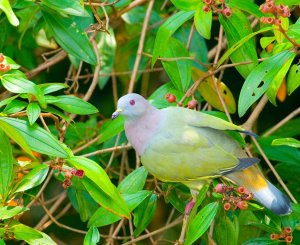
200,119
180,152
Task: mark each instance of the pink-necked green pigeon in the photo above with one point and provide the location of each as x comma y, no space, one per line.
182,145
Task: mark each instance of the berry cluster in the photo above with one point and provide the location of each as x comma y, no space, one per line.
69,173
286,234
236,198
277,11
213,5
3,67
171,98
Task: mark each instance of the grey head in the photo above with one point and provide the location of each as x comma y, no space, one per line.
131,106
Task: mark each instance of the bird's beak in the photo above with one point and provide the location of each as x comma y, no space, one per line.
116,114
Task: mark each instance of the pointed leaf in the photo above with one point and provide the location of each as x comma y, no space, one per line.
166,30
92,237
275,84
237,27
111,128
185,5
48,88
201,222
287,141
293,79
6,8
246,6
37,138
74,105
179,71
24,232
203,21
144,213
97,175
134,182
260,78
33,112
71,7
14,107
34,178
70,36
6,165
9,212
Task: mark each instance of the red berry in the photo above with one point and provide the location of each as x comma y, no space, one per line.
227,12
274,236
270,20
73,171
189,207
227,206
206,8
220,188
207,2
241,190
288,239
288,230
277,22
242,205
1,57
67,183
170,98
192,104
79,173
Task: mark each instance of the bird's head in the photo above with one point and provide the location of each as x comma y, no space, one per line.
132,106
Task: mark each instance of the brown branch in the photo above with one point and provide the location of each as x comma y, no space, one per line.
282,122
123,147
141,47
50,62
130,6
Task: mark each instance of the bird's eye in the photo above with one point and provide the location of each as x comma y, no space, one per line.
132,102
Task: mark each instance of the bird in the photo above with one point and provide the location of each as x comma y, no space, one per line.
178,144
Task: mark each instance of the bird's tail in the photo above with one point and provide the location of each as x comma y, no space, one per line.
264,192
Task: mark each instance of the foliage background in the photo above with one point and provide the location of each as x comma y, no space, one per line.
64,53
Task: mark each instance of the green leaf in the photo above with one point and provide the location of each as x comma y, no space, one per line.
239,44
70,36
278,79
144,213
265,41
16,136
237,27
260,78
293,79
97,175
134,182
6,166
226,231
103,217
185,5
281,153
34,178
114,204
201,222
247,6
44,240
24,232
48,88
179,71
33,112
8,100
92,237
287,141
71,7
166,30
107,50
14,107
36,137
111,128
9,212
200,197
15,83
74,105
203,21
1,241
6,8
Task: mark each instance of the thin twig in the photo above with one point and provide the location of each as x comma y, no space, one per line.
282,122
141,47
107,150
